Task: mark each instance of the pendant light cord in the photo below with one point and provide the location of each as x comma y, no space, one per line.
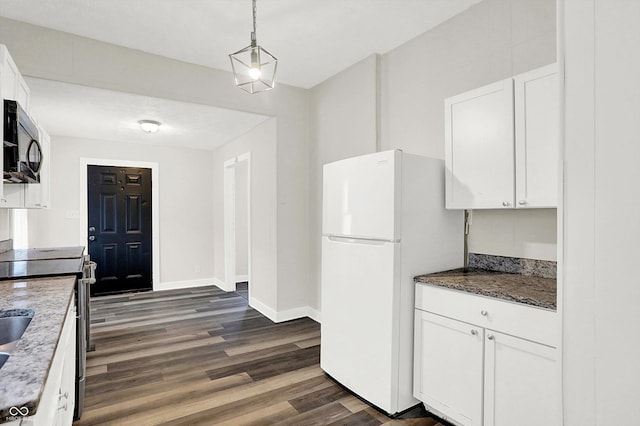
253,34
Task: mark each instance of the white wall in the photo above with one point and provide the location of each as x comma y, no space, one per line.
185,203
342,124
261,143
601,210
54,55
242,219
492,40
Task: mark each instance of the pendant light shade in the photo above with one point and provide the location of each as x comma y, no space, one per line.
254,68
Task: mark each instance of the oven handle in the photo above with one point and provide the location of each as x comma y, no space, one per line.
81,332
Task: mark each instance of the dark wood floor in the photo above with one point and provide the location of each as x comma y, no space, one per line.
203,357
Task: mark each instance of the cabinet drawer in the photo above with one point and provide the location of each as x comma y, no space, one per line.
527,322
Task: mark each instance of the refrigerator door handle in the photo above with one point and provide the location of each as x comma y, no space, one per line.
360,240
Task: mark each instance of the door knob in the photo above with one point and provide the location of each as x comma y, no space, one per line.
92,238
92,229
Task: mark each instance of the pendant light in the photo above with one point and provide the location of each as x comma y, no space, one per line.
254,69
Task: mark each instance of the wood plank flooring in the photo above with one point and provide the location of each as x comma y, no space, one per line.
204,357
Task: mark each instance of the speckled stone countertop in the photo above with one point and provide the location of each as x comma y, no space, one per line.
526,289
23,376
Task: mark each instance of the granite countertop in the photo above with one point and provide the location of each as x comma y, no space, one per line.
23,376
526,289
42,254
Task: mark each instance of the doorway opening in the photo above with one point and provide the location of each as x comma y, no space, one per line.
237,224
138,206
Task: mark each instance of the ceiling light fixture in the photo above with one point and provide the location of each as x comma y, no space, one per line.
254,69
149,126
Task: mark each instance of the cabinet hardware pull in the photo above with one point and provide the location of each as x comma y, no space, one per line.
474,333
506,203
522,202
484,313
490,337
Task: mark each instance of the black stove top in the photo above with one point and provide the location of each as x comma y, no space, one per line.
40,268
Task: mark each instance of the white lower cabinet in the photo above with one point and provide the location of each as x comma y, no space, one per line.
473,375
519,382
448,368
57,400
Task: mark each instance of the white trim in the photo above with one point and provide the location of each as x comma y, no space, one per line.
172,285
222,285
263,309
155,206
288,315
241,278
229,196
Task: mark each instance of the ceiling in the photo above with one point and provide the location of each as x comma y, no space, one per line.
87,112
313,40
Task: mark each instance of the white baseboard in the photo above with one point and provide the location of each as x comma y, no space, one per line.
272,314
173,285
223,286
241,278
288,315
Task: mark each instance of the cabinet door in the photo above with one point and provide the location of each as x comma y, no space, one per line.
66,398
537,111
448,364
23,94
479,148
10,76
13,196
522,382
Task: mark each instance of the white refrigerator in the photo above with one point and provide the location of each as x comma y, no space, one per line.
383,223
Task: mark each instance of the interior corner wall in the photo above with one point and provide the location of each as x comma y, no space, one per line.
601,226
490,41
261,143
342,124
242,219
185,203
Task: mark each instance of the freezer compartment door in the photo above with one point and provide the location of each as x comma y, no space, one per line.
359,339
361,196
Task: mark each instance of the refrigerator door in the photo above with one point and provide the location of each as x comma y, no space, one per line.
359,322
361,196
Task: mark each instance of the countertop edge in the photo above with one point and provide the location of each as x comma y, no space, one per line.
20,374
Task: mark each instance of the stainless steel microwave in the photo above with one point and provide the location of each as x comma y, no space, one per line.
22,152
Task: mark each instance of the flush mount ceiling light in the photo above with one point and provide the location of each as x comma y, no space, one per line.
149,126
254,69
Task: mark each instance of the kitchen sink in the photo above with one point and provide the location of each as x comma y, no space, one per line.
3,358
13,327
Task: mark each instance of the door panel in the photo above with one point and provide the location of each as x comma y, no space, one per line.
358,340
360,196
521,382
448,367
120,228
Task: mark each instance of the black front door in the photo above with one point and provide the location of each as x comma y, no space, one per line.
120,228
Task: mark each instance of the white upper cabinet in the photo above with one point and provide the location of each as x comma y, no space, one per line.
21,195
502,143
537,115
479,147
10,75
